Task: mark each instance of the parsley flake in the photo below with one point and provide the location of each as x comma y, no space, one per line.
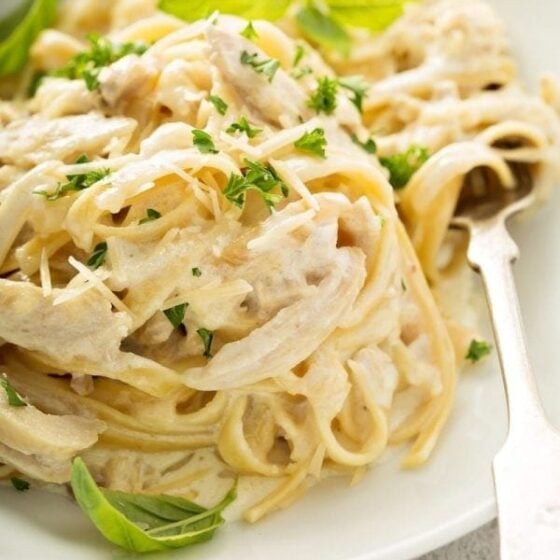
314,142
358,86
203,141
151,215
196,272
323,99
477,350
300,53
243,125
220,105
207,337
176,314
75,182
98,256
87,65
266,66
14,399
258,177
250,32
19,484
402,166
368,146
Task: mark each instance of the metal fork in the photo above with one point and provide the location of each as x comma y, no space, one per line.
527,468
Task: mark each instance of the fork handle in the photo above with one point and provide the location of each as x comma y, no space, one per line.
492,252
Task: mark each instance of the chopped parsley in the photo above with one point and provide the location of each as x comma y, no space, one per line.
220,105
203,141
250,32
75,182
258,177
175,316
196,272
98,256
323,99
243,125
151,215
477,350
368,146
19,484
300,72
87,65
14,398
358,86
265,66
403,285
300,53
207,337
313,142
402,166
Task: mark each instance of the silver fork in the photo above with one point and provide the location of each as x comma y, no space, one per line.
527,468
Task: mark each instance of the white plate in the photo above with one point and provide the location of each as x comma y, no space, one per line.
391,514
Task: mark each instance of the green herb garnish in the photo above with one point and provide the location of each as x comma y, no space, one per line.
196,272
250,32
87,65
313,142
323,99
358,86
257,177
77,182
19,29
368,146
249,9
151,215
243,125
477,350
19,484
322,29
203,141
266,66
402,166
207,337
14,398
176,314
98,256
220,105
144,522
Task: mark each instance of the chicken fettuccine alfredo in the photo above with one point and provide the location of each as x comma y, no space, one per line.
225,255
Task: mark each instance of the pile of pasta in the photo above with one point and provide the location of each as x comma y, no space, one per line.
306,339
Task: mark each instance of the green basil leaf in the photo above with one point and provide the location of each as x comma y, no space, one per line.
374,15
14,48
250,9
322,29
144,523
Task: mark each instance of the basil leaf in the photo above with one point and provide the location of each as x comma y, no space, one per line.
374,15
322,29
13,397
249,9
16,41
145,523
